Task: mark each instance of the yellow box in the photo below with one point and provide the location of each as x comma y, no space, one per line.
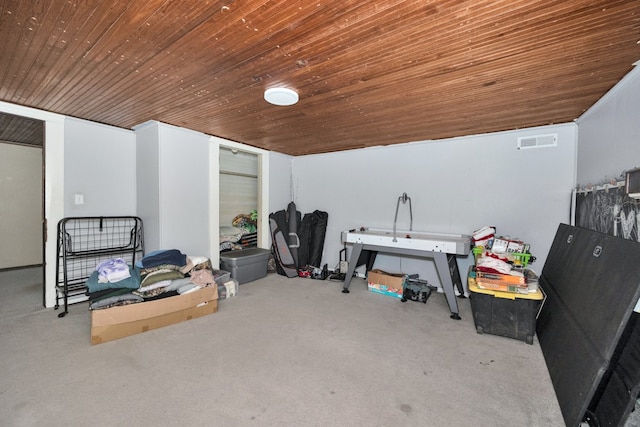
507,314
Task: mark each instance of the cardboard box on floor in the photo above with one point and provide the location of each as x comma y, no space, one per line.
381,282
117,322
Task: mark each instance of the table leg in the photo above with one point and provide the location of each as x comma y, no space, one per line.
455,274
353,260
442,267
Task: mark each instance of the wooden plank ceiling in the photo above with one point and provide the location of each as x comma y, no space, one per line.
367,72
21,130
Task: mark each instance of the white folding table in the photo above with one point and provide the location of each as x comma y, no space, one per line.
436,246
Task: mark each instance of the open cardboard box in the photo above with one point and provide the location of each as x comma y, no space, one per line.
381,282
118,322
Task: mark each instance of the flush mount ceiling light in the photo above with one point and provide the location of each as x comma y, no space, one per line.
281,96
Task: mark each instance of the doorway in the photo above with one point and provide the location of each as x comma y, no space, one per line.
22,217
238,199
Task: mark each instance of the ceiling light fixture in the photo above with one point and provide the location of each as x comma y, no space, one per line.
281,96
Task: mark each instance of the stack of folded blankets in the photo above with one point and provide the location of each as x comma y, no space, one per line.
159,274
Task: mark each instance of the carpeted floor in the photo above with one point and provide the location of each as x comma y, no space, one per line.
283,352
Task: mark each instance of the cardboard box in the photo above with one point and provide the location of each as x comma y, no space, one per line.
118,322
384,283
503,245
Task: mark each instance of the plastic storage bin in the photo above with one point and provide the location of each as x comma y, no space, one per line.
245,265
221,276
506,314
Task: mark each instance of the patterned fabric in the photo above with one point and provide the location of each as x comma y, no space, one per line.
116,300
159,276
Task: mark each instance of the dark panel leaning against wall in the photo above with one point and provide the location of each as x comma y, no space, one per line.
609,209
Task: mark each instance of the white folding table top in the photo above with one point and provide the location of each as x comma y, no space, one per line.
458,244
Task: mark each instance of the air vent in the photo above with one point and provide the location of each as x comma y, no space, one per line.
538,141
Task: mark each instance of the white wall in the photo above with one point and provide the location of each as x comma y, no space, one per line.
280,181
21,207
173,188
456,186
148,183
100,164
609,134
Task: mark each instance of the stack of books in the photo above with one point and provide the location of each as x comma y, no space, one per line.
502,282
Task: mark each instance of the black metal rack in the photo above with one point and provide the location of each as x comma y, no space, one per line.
85,242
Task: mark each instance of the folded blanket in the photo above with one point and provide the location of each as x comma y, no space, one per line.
163,267
155,285
116,300
160,276
177,283
191,287
150,293
168,256
195,262
107,293
113,270
230,234
132,282
202,277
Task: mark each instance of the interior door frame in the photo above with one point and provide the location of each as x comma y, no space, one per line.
214,196
53,186
43,217
39,146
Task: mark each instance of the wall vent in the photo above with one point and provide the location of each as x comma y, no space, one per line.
538,141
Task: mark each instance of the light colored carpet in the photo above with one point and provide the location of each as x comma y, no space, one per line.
283,352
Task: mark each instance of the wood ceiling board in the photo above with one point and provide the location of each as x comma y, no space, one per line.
21,130
368,73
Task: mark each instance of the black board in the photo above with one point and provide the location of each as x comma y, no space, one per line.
616,396
592,282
